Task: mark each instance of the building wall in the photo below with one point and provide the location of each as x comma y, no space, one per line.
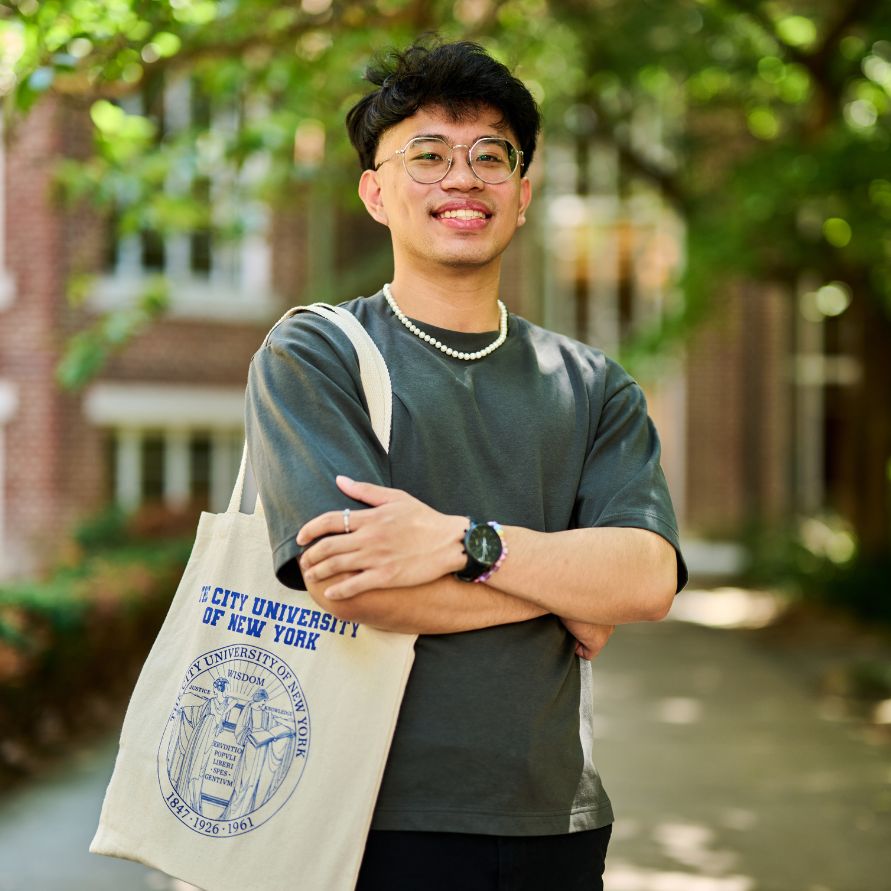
739,413
55,469
724,418
29,338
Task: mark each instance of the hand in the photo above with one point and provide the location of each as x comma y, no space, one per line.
590,639
398,542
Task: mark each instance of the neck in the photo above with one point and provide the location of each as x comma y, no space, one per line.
456,301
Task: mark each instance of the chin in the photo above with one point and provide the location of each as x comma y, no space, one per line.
470,258
465,262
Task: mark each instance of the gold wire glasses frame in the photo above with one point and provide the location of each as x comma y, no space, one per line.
428,159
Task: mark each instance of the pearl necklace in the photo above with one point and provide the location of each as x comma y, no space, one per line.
429,338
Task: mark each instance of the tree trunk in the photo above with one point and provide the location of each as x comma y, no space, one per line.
867,450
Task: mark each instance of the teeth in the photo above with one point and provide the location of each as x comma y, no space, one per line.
463,214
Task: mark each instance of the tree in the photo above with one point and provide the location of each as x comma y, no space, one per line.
779,170
780,118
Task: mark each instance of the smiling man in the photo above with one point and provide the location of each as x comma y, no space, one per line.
520,514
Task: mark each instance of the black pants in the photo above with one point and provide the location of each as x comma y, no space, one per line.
445,861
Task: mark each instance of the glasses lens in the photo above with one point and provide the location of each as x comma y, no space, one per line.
493,160
427,159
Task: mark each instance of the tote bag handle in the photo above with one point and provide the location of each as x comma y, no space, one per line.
373,372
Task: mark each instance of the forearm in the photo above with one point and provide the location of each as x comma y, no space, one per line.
444,606
604,575
404,553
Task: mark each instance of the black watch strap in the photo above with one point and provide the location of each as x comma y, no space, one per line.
475,568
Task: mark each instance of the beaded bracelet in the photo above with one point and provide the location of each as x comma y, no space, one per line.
497,564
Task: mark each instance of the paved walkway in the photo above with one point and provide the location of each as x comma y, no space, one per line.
725,772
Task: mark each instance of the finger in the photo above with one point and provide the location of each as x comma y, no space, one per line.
326,569
368,493
328,547
329,523
360,583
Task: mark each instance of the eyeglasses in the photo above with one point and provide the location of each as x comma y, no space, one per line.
428,159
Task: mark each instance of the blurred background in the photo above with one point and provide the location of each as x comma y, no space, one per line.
712,207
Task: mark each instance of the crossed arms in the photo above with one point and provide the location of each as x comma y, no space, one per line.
394,571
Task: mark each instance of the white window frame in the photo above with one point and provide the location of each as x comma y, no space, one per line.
135,411
813,370
239,286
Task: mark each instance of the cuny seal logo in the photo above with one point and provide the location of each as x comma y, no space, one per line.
236,742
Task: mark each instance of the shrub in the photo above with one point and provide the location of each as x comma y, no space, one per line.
72,645
817,559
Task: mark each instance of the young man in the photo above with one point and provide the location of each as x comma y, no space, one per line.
520,514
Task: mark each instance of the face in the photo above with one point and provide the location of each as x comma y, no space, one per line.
459,222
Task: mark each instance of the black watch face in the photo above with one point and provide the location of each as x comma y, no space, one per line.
484,544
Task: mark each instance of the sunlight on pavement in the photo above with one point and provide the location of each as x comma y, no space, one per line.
688,844
738,818
679,710
692,847
625,877
727,608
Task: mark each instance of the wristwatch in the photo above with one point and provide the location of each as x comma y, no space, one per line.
486,549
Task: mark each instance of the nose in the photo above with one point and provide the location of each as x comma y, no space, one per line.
461,175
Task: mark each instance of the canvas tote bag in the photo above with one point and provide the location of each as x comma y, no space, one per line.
255,740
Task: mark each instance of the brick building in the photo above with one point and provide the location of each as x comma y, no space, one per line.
163,420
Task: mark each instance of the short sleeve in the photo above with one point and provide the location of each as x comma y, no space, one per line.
306,420
622,480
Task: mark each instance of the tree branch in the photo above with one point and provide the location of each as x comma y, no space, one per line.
817,61
661,177
216,44
854,11
757,16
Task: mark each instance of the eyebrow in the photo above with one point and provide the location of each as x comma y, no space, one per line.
500,135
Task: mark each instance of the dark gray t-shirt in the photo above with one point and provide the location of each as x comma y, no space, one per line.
494,735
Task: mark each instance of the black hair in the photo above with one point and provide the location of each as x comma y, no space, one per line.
457,77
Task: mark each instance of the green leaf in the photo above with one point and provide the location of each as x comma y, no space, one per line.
797,30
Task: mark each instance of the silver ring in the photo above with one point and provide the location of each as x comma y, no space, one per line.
346,519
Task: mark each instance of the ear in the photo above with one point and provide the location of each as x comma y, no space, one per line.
525,198
372,196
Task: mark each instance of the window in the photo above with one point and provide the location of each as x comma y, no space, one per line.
151,469
209,275
170,443
200,468
613,244
174,467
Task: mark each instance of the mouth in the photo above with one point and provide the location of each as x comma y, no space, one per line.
462,213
